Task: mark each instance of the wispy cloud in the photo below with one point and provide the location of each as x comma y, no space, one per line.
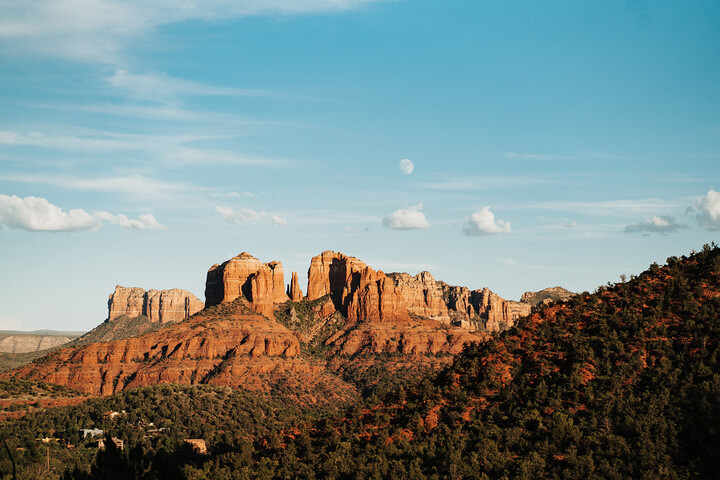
137,186
239,216
144,222
483,223
239,195
661,224
160,86
36,214
486,182
587,155
100,30
172,149
619,208
410,218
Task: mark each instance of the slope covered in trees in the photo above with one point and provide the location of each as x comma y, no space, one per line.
621,383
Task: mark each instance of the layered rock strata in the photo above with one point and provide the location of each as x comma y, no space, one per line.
161,306
261,284
358,291
232,346
473,309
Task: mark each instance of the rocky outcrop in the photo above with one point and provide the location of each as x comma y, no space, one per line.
547,295
422,294
361,293
293,291
163,306
261,284
357,291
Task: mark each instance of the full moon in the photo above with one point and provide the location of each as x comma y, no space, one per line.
406,166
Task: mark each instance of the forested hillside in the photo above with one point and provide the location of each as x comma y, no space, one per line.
620,383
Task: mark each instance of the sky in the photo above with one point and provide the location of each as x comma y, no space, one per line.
514,145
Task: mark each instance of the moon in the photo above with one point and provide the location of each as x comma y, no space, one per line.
406,166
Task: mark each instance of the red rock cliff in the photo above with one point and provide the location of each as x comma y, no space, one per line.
263,285
161,306
358,291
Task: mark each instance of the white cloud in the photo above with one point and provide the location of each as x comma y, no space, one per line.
406,166
483,223
709,207
100,30
661,224
145,222
277,220
406,218
36,214
238,216
239,195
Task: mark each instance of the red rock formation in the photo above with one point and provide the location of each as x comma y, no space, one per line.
293,291
263,285
331,273
459,301
232,346
498,313
161,306
126,301
422,294
267,288
228,281
358,291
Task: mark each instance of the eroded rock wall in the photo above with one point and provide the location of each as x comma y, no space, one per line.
161,306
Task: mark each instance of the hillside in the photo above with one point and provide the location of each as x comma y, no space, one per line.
621,383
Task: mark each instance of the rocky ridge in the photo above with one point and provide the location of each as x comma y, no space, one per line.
227,344
162,306
255,333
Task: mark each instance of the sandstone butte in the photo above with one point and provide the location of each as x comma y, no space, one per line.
163,306
237,341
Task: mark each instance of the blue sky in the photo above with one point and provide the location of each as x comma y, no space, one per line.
551,143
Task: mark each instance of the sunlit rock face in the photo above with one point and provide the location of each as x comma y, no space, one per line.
161,306
261,284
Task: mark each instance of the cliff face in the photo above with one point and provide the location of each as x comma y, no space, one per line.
261,284
357,291
422,294
161,306
480,310
225,345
